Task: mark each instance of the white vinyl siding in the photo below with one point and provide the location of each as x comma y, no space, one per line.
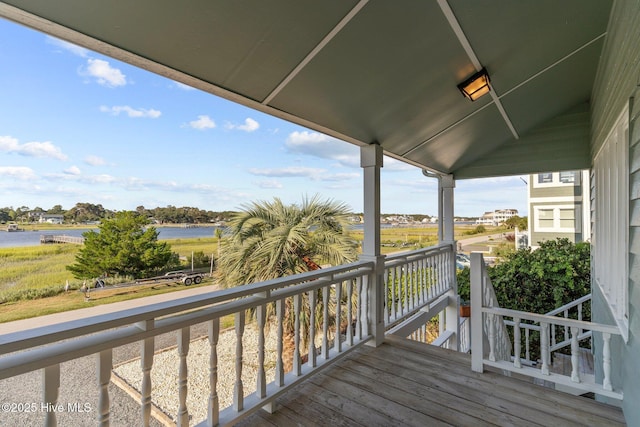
610,237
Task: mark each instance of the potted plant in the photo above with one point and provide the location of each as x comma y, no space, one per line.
464,291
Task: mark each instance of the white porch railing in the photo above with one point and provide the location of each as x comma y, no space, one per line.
490,348
415,279
562,332
341,293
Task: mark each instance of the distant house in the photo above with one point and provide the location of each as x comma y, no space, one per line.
51,218
497,217
559,206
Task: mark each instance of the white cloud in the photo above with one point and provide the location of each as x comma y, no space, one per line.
249,125
131,112
341,177
269,184
184,86
203,122
104,73
73,170
289,172
70,47
94,161
31,149
323,146
18,172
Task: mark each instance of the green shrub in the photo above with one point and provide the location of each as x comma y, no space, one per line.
539,281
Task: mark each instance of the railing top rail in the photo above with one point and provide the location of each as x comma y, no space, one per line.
418,253
569,305
543,318
72,329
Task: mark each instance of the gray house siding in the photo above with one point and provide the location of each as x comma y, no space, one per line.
617,82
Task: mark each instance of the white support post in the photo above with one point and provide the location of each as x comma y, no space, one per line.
477,343
371,163
446,185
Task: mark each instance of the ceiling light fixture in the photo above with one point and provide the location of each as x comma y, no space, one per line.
476,86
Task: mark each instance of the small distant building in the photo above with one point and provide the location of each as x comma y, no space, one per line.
559,207
51,218
497,217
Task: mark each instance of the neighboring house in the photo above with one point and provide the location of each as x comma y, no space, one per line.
51,218
497,217
559,206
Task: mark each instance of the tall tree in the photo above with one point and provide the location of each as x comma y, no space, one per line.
123,245
270,240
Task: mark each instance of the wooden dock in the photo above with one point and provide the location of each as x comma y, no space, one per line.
51,238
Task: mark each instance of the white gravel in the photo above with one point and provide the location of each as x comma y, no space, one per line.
164,374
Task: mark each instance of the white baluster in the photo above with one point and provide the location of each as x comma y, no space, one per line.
491,318
516,343
238,390
360,315
544,347
325,322
183,375
146,363
51,381
566,328
606,361
214,406
527,352
312,328
364,309
405,291
393,310
297,368
105,364
279,377
261,382
575,349
350,312
338,305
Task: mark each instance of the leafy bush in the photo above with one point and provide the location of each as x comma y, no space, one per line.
199,259
541,280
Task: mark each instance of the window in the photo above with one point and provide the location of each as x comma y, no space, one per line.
544,178
567,218
545,218
557,179
558,218
611,213
568,177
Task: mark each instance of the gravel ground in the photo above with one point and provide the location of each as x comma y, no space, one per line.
78,385
164,375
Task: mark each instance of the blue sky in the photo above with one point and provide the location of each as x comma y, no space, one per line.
76,126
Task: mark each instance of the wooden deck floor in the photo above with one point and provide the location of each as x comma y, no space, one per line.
405,383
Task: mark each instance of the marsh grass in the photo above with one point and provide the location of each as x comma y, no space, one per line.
32,272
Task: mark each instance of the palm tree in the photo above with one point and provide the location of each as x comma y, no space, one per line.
270,240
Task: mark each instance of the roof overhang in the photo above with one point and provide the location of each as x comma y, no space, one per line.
372,71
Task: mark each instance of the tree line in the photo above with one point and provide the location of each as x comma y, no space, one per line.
88,212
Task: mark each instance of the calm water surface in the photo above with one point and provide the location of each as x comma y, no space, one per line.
32,238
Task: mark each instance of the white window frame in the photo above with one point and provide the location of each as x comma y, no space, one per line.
577,219
611,228
555,180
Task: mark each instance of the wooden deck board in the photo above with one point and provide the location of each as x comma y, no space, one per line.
408,383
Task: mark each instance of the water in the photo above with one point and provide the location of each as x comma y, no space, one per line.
32,238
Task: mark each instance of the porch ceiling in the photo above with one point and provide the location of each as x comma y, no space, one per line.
372,71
